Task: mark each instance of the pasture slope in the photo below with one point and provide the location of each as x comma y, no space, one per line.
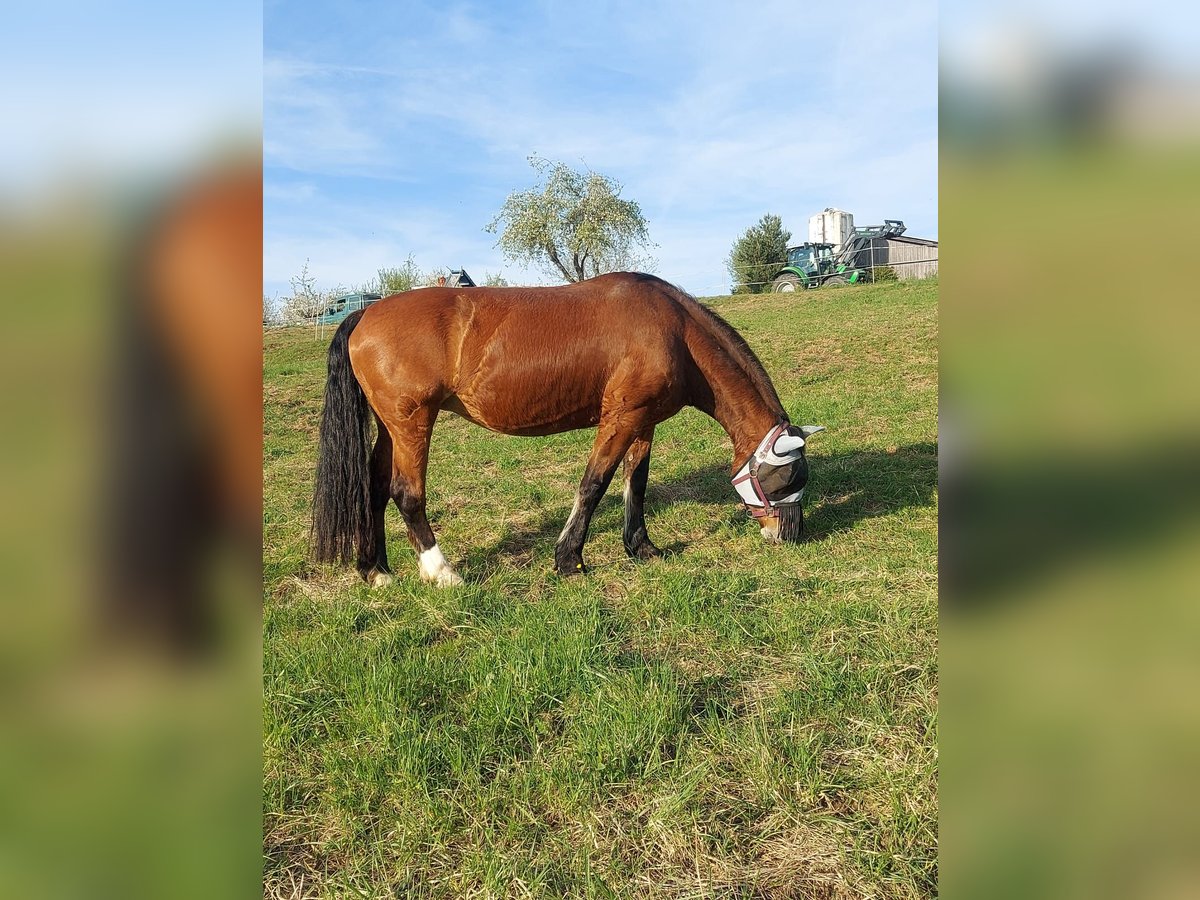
735,720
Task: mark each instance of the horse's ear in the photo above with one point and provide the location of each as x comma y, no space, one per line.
809,430
786,443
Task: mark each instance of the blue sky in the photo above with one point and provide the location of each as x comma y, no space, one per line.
121,96
398,128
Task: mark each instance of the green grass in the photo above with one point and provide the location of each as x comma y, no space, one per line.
735,720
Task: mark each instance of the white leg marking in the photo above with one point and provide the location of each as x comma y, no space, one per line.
380,580
570,518
434,568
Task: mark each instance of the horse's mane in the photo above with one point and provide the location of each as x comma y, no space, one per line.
732,343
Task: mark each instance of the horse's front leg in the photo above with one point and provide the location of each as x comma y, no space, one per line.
410,457
637,473
611,443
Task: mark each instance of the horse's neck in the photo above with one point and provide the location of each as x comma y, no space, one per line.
731,397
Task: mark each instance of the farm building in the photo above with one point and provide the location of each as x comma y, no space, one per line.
910,257
456,278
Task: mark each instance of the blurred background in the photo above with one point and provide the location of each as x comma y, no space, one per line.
130,265
1069,176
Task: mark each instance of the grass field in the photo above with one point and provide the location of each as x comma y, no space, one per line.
734,720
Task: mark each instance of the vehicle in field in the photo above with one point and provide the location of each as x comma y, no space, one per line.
812,265
344,305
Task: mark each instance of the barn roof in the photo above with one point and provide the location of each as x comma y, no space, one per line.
908,239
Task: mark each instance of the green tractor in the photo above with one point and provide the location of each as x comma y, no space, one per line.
812,265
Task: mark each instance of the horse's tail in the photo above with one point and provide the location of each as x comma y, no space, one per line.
342,496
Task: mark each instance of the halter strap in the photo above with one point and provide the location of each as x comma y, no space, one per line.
745,481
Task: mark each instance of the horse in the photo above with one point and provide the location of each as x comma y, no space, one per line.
621,353
185,420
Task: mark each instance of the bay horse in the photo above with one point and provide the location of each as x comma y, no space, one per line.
620,352
185,415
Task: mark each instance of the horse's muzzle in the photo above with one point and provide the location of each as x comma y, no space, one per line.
769,528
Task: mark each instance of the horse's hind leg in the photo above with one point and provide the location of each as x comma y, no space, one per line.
410,458
611,443
637,473
372,559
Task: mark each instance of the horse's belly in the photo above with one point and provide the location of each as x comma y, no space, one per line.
527,410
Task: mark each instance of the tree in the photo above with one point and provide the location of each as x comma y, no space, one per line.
758,254
574,225
398,279
306,300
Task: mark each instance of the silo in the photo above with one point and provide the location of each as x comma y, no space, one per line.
833,226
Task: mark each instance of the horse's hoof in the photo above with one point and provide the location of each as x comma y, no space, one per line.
646,551
381,580
443,578
436,570
448,578
566,570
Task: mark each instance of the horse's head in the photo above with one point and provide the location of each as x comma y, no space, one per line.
772,482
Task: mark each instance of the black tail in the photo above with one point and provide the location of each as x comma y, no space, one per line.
342,497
